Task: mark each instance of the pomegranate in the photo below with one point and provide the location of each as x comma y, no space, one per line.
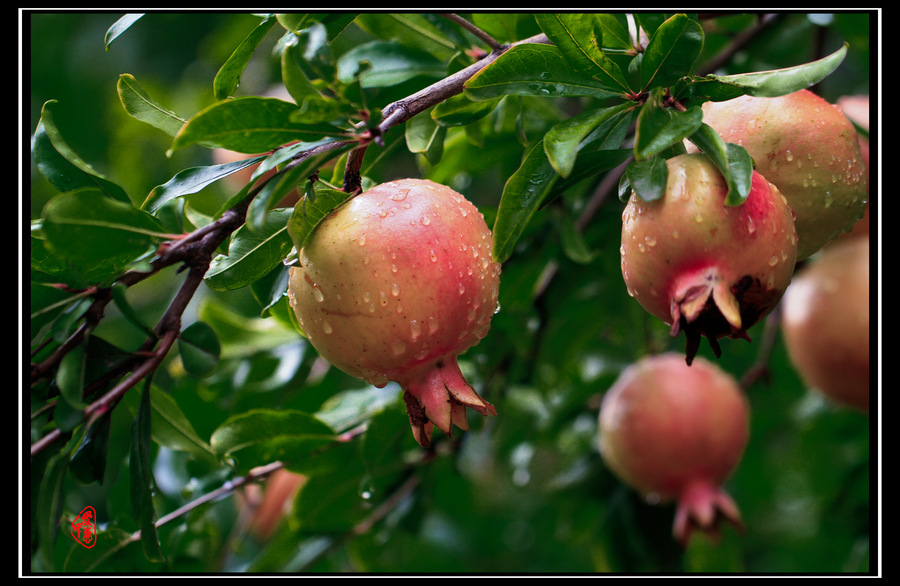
704,267
825,321
675,432
393,286
809,149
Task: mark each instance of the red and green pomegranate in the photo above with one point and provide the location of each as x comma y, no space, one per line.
393,286
704,267
809,149
675,433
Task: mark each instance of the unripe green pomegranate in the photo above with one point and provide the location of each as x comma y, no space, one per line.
675,432
704,267
825,321
393,286
806,147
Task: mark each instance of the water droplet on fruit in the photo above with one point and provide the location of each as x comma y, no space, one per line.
415,329
400,194
398,347
326,327
395,289
361,240
318,295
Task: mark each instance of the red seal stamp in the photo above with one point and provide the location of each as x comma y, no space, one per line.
84,527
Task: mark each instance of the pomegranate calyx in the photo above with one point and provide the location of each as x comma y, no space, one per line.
439,396
704,507
705,304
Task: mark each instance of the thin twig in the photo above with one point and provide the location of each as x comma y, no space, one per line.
477,32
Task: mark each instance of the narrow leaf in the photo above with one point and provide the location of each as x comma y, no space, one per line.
778,82
142,479
671,52
561,142
119,27
64,169
229,75
522,195
138,104
193,180
252,254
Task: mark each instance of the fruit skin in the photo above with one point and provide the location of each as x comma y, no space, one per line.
825,322
700,265
809,149
393,286
675,432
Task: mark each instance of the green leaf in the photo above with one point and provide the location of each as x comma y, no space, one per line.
648,177
249,125
563,140
199,348
97,235
614,33
70,377
119,27
389,64
733,161
579,37
523,194
49,503
332,22
229,75
172,429
459,110
426,137
60,165
308,213
671,52
88,462
252,253
659,127
138,104
779,82
296,82
141,488
193,180
262,436
533,69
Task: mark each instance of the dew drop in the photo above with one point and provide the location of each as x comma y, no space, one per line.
395,289
398,347
400,194
415,329
362,240
432,325
326,327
